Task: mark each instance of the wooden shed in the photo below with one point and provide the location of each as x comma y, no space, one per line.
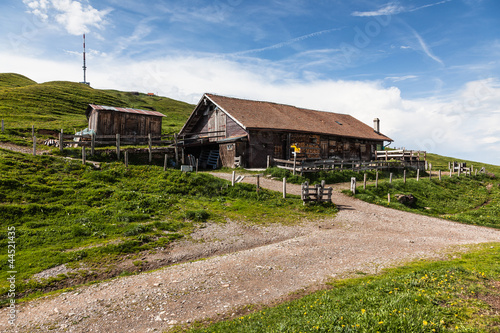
246,132
109,120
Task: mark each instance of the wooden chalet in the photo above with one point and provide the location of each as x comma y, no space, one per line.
109,120
244,132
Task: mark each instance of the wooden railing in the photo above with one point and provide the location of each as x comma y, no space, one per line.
325,165
402,155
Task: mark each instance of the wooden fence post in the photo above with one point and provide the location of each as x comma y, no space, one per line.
32,130
165,162
376,180
353,185
418,175
319,193
364,181
304,192
197,163
388,198
284,188
92,144
390,178
150,147
61,140
439,174
118,146
34,145
258,183
126,158
176,149
268,161
404,176
294,162
233,178
84,157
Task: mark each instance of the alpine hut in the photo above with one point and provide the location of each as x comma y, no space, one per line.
234,131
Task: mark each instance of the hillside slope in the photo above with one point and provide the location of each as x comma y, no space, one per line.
12,80
440,162
60,104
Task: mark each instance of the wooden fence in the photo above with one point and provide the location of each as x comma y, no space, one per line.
330,165
401,155
317,193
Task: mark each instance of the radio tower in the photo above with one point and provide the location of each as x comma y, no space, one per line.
84,65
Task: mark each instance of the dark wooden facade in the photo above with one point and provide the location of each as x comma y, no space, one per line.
107,120
252,131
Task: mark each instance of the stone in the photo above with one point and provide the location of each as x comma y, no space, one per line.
406,199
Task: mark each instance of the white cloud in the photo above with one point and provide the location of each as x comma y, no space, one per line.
74,16
463,124
401,78
394,8
426,48
288,42
388,9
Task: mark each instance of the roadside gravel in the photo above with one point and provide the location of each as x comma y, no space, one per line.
249,265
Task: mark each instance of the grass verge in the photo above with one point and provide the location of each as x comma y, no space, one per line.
472,200
460,295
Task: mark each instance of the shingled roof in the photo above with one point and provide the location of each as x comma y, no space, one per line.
126,110
266,115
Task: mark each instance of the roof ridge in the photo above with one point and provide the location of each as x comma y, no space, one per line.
275,103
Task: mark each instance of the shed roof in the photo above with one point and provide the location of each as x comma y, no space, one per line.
126,110
266,115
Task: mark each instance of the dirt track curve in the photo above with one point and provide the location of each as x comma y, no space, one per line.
267,264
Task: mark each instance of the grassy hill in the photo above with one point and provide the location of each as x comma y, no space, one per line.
12,80
441,163
58,104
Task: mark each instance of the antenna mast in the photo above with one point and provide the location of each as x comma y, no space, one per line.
84,65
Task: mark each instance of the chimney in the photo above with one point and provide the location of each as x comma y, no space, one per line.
376,125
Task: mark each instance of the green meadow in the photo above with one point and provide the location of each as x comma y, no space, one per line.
472,200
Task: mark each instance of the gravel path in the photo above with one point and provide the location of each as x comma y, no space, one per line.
362,237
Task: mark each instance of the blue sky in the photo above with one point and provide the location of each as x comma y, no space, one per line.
429,69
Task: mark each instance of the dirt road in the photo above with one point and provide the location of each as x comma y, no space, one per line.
261,265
